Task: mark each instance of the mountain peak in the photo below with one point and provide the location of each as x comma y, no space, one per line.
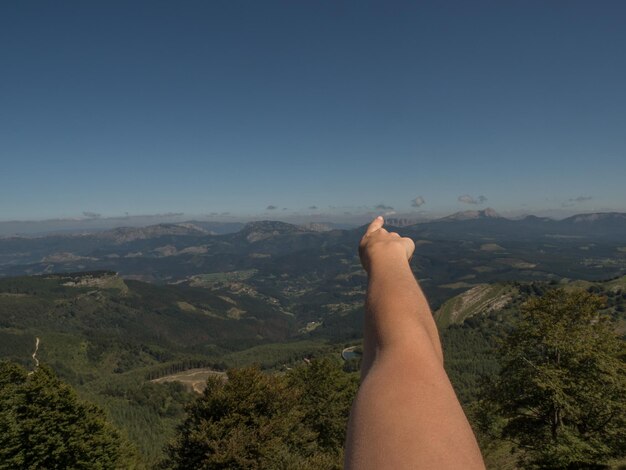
487,213
127,234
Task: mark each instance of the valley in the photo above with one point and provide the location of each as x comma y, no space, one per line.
137,321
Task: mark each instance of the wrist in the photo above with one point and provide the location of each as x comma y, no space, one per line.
388,262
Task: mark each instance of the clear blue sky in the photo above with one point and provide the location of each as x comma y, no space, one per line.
199,107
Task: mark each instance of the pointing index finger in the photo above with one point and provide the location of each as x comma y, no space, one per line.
376,224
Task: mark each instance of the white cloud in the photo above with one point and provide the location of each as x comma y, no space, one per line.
467,199
418,201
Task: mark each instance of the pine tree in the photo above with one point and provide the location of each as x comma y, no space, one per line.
560,391
267,421
327,397
43,424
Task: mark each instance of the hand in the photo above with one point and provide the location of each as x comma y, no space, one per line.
378,246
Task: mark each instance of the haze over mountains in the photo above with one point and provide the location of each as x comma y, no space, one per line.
225,222
453,252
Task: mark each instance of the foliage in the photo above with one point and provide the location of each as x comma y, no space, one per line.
560,392
468,356
255,420
107,341
43,424
107,336
327,397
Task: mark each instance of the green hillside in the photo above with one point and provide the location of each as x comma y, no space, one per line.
480,299
108,337
113,339
499,298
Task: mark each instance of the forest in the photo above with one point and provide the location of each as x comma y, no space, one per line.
80,342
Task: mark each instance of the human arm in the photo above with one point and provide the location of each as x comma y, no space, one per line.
406,414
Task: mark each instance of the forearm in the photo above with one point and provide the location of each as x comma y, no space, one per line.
397,314
406,414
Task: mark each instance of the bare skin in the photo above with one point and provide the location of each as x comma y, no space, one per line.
406,414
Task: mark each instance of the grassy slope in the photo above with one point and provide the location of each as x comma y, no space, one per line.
481,298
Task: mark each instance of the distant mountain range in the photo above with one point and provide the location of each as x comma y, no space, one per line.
453,253
606,225
489,213
85,225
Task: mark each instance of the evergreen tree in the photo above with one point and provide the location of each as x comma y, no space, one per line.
326,399
254,420
560,391
43,424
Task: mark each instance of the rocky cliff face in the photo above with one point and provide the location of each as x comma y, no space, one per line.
487,213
